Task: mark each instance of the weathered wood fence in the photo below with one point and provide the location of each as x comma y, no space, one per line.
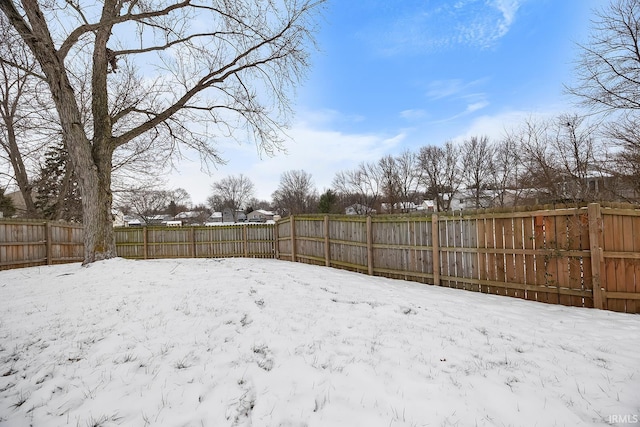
246,240
32,243
585,257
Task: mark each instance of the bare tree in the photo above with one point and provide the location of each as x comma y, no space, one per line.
233,192
540,160
608,71
362,186
608,68
626,162
579,158
410,175
296,193
390,183
508,171
400,180
19,109
226,65
146,203
477,167
440,172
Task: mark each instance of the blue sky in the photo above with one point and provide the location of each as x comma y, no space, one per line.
401,74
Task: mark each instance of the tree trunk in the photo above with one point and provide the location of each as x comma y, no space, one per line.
19,169
99,238
92,165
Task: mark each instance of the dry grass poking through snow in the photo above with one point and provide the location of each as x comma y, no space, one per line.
241,342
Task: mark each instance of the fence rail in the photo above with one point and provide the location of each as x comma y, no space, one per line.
585,257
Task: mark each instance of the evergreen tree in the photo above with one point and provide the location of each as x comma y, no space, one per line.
6,205
58,193
328,202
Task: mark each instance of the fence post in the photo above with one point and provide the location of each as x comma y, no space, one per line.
595,246
435,242
145,244
293,238
369,246
245,242
276,240
193,242
48,237
327,249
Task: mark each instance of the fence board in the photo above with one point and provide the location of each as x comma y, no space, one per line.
528,244
509,258
518,258
612,265
482,256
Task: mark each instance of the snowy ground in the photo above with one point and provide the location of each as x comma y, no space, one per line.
241,342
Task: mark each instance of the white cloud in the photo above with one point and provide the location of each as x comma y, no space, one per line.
414,114
476,106
495,126
439,89
478,23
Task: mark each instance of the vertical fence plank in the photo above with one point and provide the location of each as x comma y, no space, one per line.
245,241
629,264
292,232
327,244
49,246
518,258
562,245
634,285
508,237
482,253
369,232
540,263
528,236
435,252
611,265
596,245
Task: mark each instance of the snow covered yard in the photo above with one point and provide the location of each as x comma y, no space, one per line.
243,342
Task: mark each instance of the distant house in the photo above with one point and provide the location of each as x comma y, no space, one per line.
192,217
399,207
260,215
215,217
358,209
466,199
427,206
158,219
118,218
227,216
132,221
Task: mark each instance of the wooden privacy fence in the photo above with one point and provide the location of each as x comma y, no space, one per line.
32,243
246,240
585,257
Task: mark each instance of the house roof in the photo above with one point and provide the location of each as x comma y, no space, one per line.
263,212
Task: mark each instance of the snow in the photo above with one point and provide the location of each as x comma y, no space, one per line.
246,342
